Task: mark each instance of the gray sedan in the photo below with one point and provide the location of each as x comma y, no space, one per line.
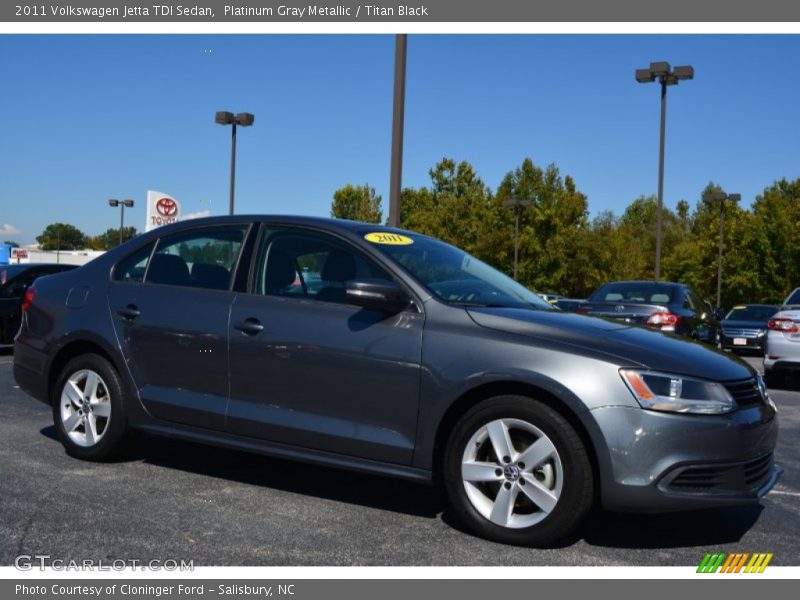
363,347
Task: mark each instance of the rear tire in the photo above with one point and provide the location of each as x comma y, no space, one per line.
89,409
504,498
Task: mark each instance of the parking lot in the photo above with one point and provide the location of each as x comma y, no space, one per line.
176,500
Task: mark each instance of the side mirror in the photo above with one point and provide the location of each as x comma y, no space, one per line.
377,294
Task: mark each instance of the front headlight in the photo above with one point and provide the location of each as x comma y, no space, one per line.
762,388
677,393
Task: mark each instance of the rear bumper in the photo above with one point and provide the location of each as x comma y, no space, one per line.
663,462
786,351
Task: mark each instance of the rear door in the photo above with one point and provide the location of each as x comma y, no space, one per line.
308,369
171,305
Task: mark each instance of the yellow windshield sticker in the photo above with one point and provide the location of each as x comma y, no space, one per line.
385,237
740,307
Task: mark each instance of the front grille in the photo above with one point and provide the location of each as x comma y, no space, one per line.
739,478
745,393
744,333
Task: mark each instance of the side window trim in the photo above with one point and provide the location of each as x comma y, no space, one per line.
113,274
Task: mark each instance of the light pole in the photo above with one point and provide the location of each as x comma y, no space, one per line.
666,76
122,204
398,114
517,205
722,198
228,118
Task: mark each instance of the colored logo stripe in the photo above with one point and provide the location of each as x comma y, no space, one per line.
734,563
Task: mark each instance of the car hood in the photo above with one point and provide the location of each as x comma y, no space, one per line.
738,324
624,343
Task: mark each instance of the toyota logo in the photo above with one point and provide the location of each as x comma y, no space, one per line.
166,207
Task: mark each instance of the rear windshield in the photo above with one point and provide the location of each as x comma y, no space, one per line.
794,298
633,291
751,313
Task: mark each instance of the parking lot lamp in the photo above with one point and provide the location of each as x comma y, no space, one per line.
244,120
722,198
666,76
122,204
517,205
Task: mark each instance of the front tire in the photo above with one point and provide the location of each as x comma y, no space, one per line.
517,472
89,409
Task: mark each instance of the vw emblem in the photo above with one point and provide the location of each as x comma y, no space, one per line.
511,472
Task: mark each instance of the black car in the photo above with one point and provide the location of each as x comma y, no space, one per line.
569,304
14,280
662,305
381,350
745,327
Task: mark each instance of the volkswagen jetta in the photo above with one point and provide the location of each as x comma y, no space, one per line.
381,350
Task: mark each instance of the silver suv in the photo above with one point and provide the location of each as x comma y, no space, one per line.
782,354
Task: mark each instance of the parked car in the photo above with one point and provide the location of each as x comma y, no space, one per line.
782,354
662,305
14,280
569,304
549,297
413,359
745,327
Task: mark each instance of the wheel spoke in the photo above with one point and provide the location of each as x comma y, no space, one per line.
503,506
537,453
74,393
72,422
90,427
501,442
90,388
101,409
480,471
538,494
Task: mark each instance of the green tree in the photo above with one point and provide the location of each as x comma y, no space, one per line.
61,236
357,203
110,238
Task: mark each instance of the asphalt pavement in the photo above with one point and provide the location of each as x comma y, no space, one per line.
178,500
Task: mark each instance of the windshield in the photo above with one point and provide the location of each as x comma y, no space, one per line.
635,291
453,275
751,313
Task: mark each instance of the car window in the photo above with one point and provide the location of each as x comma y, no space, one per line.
132,267
751,313
636,291
201,258
793,298
310,265
15,286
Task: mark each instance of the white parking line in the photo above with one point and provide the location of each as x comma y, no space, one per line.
783,493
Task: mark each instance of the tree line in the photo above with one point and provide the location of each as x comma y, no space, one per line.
563,251
64,236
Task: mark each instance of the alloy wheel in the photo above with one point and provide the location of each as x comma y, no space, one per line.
512,473
85,408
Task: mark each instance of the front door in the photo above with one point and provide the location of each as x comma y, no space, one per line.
307,368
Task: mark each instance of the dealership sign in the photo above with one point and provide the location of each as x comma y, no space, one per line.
161,210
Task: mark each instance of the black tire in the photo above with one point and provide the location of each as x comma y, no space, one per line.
115,436
577,490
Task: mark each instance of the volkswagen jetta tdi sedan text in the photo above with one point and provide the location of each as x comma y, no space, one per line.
381,350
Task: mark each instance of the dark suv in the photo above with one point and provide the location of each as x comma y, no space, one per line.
381,350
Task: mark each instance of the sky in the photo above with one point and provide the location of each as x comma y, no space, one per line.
87,118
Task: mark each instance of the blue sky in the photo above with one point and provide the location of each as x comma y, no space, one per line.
87,118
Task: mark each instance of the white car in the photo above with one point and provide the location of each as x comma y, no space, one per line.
782,353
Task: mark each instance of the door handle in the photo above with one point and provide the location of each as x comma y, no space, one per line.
130,312
250,326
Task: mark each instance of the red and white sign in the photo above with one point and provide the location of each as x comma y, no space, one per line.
162,209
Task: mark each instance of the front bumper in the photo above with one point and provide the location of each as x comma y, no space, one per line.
752,344
657,461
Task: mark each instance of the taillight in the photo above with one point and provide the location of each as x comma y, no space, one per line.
30,294
583,311
783,324
662,320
